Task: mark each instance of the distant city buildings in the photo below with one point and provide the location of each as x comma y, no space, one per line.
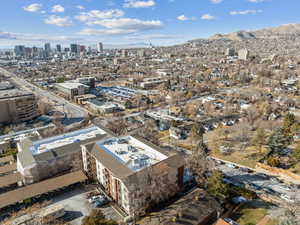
46,52
75,48
58,48
100,47
19,50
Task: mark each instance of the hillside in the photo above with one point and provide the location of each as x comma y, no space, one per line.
286,31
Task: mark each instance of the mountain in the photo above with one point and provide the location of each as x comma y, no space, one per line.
287,30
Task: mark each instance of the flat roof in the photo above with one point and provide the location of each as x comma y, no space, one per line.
131,152
14,93
8,168
46,186
6,159
10,179
71,85
47,144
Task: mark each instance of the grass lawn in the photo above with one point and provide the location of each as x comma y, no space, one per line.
296,168
247,157
251,216
252,213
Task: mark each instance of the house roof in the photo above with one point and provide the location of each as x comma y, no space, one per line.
200,210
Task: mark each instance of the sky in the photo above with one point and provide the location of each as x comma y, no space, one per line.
135,22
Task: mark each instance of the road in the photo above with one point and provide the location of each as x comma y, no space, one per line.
72,110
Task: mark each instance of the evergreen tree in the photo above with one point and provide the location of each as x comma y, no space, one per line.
216,185
289,124
278,141
197,132
96,217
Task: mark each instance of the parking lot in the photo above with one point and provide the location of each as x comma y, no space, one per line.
259,182
77,206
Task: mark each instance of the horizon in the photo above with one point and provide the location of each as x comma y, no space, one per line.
127,22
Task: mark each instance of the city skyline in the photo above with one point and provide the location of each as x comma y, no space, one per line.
126,22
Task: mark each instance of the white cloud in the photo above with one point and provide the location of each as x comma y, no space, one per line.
81,7
58,21
26,37
110,32
216,1
122,26
207,17
98,14
128,23
57,9
245,12
184,18
139,37
35,7
138,4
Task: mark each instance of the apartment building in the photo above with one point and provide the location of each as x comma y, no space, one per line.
72,89
133,172
39,159
17,106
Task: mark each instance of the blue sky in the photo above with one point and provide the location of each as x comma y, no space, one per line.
120,22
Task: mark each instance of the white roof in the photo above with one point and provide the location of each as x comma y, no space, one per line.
71,85
65,139
133,153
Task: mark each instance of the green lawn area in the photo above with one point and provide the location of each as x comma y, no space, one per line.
252,213
251,216
247,157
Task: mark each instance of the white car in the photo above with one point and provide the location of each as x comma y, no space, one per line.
286,198
97,197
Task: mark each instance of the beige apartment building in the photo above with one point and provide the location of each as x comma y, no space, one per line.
133,172
17,106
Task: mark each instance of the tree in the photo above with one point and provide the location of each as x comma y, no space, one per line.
296,152
128,104
289,124
118,126
273,161
216,185
197,132
259,139
96,217
278,141
200,164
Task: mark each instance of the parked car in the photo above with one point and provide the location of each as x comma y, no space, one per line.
100,202
287,198
95,198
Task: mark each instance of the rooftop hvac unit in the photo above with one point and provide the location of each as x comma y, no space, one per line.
132,149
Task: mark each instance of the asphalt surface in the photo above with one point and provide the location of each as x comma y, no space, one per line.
72,110
259,182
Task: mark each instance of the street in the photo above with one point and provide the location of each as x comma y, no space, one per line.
72,110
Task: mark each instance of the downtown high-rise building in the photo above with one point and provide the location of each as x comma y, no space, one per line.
58,48
19,50
75,48
47,47
100,47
